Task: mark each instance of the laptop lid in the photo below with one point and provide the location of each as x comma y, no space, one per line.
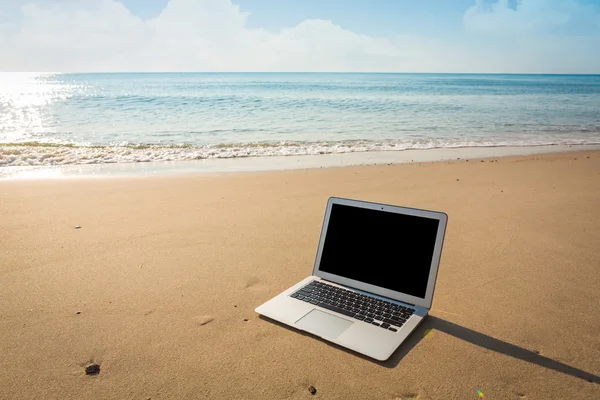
387,250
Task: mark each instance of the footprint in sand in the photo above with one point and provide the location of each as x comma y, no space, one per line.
253,283
407,396
203,319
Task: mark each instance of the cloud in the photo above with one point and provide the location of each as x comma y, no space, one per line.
212,35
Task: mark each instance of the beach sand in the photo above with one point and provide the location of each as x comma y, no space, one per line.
159,284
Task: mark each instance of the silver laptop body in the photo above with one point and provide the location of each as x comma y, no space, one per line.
373,278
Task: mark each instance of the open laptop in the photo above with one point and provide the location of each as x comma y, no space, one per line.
373,278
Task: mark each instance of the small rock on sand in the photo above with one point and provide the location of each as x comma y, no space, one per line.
77,227
312,390
92,369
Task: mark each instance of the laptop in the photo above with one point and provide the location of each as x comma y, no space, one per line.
373,278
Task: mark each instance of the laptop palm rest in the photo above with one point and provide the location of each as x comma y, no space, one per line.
323,324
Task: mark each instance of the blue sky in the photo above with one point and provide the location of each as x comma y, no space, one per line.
371,17
528,36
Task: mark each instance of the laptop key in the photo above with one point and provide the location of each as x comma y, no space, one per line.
375,323
392,329
312,301
294,295
306,299
336,309
299,297
392,322
359,317
369,320
385,325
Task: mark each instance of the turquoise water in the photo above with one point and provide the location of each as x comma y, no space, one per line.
48,119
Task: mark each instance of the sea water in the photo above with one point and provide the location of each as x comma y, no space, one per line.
65,119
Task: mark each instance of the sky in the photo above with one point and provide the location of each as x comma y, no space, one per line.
481,36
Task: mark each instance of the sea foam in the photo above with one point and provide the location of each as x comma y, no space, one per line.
49,154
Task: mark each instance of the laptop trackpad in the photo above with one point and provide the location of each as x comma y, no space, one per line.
323,324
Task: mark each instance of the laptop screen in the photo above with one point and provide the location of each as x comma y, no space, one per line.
385,249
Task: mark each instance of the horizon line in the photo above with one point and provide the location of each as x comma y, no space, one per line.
303,72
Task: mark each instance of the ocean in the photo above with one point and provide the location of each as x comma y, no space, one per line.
66,119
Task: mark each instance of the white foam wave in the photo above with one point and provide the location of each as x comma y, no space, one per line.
45,154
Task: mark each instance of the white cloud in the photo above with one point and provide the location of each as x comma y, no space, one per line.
212,35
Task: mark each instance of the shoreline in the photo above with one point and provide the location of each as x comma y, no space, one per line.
279,163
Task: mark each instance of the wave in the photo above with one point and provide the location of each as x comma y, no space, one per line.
49,154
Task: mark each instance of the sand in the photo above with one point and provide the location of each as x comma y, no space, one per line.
159,284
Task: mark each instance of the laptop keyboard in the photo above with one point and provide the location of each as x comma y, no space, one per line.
373,311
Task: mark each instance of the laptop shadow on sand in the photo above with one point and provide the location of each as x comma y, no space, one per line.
466,334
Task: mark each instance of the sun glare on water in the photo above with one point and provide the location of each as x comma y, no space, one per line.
24,105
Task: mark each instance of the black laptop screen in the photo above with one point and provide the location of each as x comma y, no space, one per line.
389,250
